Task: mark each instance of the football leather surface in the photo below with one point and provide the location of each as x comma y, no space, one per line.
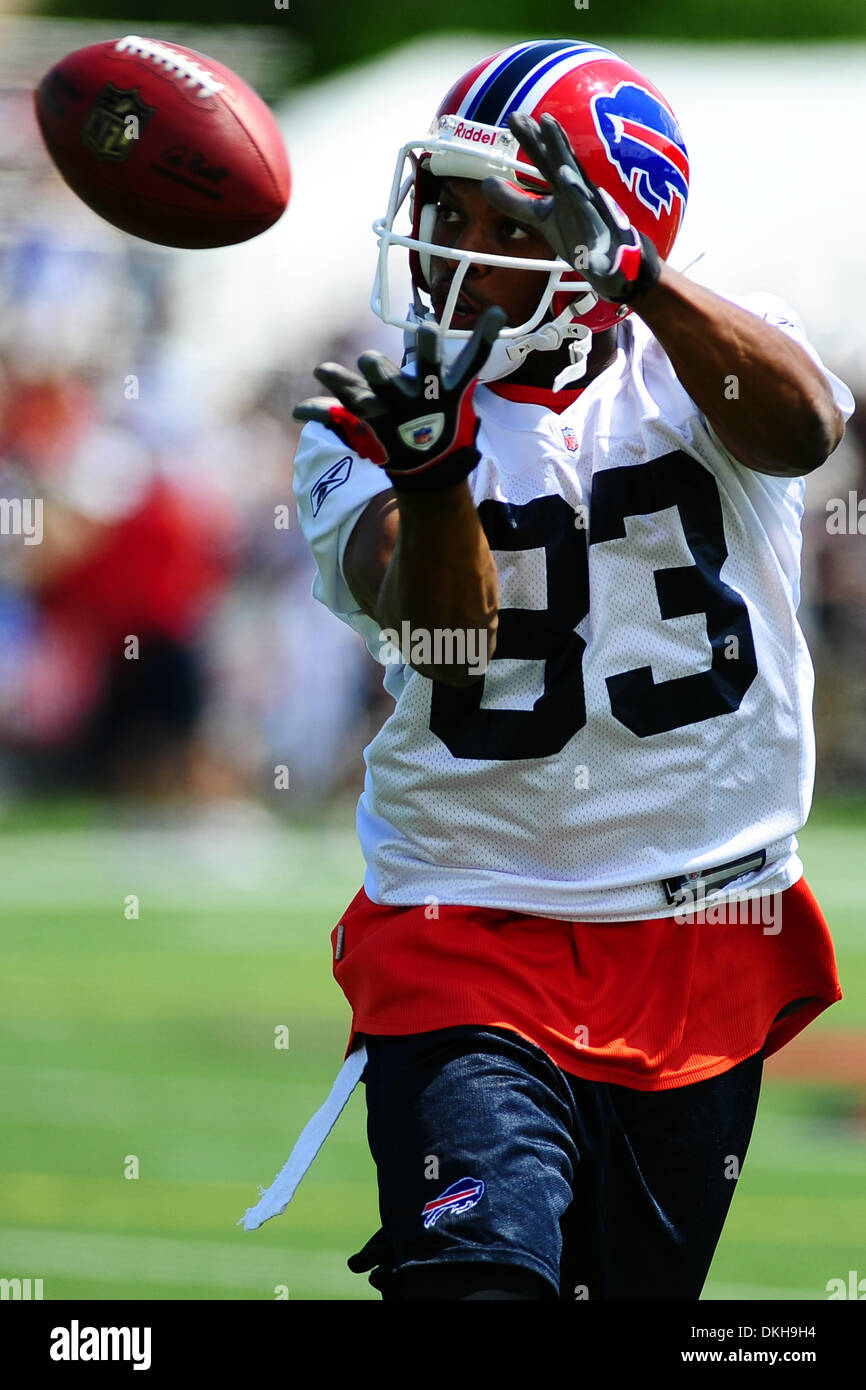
164,142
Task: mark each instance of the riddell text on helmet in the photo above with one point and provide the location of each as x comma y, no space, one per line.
475,133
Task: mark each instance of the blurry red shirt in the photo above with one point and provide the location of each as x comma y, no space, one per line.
155,570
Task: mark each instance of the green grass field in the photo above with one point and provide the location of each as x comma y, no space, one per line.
154,1038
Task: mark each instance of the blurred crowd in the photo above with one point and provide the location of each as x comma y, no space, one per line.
157,637
160,639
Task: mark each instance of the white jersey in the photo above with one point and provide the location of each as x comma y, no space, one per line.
647,710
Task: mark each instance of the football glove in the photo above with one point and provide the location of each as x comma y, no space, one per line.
420,428
579,220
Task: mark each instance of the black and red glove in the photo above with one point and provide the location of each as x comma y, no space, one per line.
420,428
582,223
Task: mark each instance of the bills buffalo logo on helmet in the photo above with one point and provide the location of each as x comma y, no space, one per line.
644,142
460,1196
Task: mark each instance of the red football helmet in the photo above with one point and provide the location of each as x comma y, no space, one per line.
625,137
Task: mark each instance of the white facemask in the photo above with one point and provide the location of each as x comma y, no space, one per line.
445,157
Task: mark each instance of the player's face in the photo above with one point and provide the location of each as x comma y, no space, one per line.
465,221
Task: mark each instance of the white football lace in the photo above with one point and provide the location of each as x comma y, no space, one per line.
183,66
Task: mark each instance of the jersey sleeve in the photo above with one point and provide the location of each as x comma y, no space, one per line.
332,487
777,501
780,501
775,311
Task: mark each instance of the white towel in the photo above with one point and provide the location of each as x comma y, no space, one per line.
274,1201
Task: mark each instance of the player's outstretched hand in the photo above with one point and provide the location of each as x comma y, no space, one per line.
420,428
580,221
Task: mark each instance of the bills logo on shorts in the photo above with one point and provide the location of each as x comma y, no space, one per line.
460,1196
644,142
570,438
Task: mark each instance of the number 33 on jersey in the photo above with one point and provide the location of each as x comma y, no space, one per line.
647,710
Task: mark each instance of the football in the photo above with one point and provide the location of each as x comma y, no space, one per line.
164,143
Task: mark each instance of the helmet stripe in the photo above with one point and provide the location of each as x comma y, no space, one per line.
486,75
496,91
539,82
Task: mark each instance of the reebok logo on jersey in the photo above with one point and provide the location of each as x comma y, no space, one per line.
333,477
460,1196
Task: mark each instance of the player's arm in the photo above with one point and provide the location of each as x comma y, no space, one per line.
424,559
418,554
782,419
780,416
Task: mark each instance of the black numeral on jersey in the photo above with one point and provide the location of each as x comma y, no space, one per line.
655,707
643,705
456,716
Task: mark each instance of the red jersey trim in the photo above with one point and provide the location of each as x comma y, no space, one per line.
557,401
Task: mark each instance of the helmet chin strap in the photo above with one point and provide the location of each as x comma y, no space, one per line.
579,349
507,354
